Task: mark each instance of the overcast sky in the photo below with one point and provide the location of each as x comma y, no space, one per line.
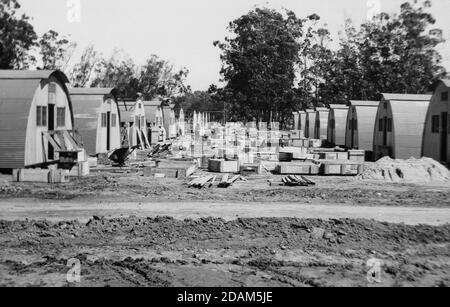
182,31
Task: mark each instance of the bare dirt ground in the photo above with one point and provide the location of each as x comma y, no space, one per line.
236,247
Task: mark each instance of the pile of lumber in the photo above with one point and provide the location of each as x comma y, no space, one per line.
297,181
202,182
160,150
228,182
209,181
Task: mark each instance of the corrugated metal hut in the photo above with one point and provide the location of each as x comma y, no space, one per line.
310,123
337,123
360,125
97,118
436,141
399,126
154,113
155,120
36,118
321,127
133,124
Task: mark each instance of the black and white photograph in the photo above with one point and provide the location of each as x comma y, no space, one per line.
222,149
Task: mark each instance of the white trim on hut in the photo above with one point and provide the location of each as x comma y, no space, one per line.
436,143
337,124
399,126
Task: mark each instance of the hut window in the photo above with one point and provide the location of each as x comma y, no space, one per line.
104,120
41,116
60,117
389,125
435,124
444,96
113,120
52,93
380,125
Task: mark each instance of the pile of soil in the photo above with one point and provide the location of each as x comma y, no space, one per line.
412,170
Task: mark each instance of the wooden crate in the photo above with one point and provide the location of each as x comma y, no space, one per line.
357,155
33,175
222,166
328,155
350,169
294,168
285,156
315,169
331,169
315,143
270,166
342,155
81,169
251,169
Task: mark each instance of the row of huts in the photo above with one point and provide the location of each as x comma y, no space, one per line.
400,126
40,116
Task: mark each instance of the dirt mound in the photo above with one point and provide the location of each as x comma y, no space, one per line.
411,170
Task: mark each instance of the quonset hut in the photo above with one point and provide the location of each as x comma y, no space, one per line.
360,126
36,118
399,126
337,123
97,118
436,140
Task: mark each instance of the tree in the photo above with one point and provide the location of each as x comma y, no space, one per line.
82,73
17,37
155,78
259,64
118,71
55,51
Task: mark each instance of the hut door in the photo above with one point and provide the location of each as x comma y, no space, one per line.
385,131
444,132
108,131
51,127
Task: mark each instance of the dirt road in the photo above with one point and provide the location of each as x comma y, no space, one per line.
20,209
